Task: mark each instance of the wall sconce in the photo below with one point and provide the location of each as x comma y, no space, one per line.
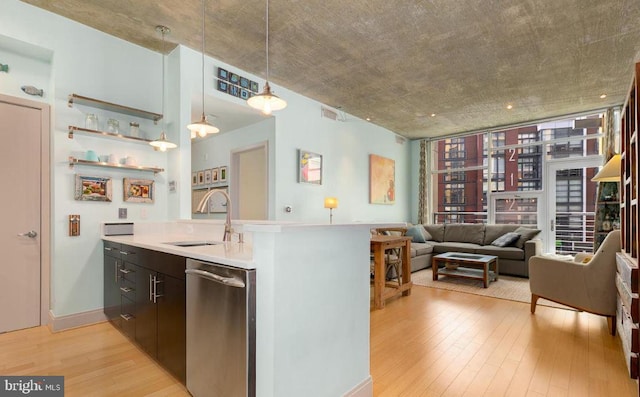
331,203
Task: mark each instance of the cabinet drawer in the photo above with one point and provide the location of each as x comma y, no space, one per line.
128,272
132,254
111,249
127,317
628,270
629,300
128,289
628,333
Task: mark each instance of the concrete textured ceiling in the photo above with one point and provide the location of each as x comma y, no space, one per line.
399,62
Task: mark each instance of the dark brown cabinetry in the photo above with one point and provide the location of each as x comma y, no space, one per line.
628,312
151,293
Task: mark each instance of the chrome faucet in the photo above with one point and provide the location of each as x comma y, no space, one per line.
227,225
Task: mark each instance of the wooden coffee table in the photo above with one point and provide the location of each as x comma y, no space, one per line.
459,264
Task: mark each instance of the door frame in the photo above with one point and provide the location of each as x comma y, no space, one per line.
45,199
549,211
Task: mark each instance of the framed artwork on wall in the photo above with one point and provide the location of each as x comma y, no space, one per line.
309,167
223,174
194,179
207,176
92,188
138,190
215,175
200,177
382,180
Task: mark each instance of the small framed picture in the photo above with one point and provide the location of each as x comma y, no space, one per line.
200,177
309,167
215,175
245,82
93,188
194,179
254,86
223,174
234,90
138,190
207,177
234,78
244,94
223,74
222,86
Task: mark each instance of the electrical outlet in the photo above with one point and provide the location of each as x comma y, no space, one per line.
122,213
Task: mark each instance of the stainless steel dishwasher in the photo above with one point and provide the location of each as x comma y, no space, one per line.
221,330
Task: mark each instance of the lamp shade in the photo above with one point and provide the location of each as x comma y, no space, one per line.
330,202
162,143
610,172
202,128
267,102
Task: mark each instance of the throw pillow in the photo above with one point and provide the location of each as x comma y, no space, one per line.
416,234
506,239
426,234
526,234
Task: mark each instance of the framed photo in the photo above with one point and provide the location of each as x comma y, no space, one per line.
234,90
244,94
245,82
223,174
138,190
255,87
93,188
215,175
194,179
234,78
382,180
223,74
222,86
207,176
200,177
309,167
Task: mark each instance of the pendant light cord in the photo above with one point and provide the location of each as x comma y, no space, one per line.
267,39
203,35
163,30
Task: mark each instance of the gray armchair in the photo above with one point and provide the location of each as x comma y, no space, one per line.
589,286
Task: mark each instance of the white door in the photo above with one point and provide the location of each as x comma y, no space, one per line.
249,183
20,272
568,225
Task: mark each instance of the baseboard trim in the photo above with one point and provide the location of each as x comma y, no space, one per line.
75,320
364,389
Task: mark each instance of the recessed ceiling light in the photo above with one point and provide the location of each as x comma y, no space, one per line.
603,96
509,107
433,115
368,119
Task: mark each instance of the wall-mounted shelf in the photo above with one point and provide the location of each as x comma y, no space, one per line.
76,161
112,107
103,134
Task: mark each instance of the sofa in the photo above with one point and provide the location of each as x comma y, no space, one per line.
477,238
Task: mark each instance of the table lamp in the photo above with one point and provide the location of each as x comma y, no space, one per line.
331,203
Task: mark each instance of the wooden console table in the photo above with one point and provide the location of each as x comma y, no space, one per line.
379,244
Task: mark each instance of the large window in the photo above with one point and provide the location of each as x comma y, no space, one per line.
467,170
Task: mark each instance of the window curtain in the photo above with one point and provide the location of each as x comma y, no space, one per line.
422,184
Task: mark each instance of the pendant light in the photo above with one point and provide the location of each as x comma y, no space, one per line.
202,127
162,143
266,101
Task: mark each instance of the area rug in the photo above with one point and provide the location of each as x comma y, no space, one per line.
510,288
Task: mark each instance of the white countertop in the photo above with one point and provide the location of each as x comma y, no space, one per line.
226,253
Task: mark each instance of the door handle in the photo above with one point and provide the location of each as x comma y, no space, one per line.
30,234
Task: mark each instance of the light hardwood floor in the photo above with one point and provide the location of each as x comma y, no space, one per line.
433,343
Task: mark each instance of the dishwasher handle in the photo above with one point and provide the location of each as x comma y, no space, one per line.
230,281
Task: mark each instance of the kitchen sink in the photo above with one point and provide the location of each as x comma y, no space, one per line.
192,243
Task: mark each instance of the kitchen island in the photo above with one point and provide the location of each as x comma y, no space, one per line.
312,298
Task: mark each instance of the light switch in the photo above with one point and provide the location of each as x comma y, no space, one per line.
122,213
